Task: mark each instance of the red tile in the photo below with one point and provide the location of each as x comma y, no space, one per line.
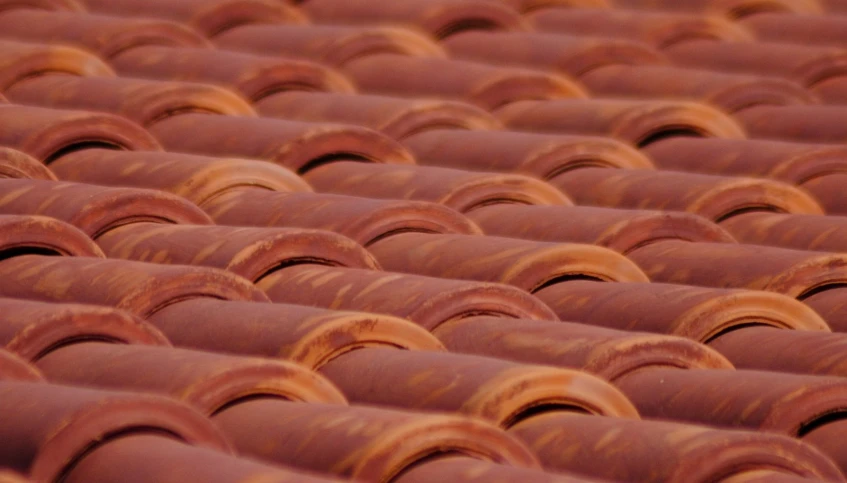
15,164
426,301
717,198
48,427
143,101
252,253
803,232
299,146
832,91
604,352
195,178
306,335
767,476
620,230
140,288
458,468
362,443
22,234
829,191
808,30
69,5
808,124
328,44
19,61
95,209
464,191
9,477
104,35
835,6
364,220
394,116
694,312
729,8
13,368
827,438
830,303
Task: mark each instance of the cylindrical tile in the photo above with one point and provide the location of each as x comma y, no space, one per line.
828,439
13,368
803,232
806,124
426,301
832,90
9,477
828,190
68,5
25,60
831,304
800,29
730,8
459,468
16,164
42,235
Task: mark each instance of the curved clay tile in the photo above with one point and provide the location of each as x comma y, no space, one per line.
606,353
794,273
635,121
498,391
766,476
488,86
829,191
104,35
48,427
828,439
730,92
328,44
632,450
208,16
140,288
540,155
299,146
306,335
806,124
831,91
800,29
734,9
526,6
461,190
252,253
364,220
19,61
69,5
394,116
570,55
33,329
205,381
463,469
9,477
143,101
252,76
43,235
426,301
153,458
195,178
790,162
803,232
657,28
620,230
831,305
805,64
13,368
361,443
48,134
834,6
526,264
694,312
95,209
440,18
773,402
15,164
717,198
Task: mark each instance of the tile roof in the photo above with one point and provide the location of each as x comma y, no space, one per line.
404,241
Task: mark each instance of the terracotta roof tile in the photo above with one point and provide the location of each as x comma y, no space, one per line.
369,444
835,6
763,476
13,368
19,61
807,124
809,30
830,304
15,164
729,8
105,35
527,6
467,470
464,191
832,90
69,5
306,335
427,301
661,451
827,189
21,234
804,232
9,477
826,438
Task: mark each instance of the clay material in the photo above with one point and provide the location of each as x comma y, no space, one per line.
364,220
525,264
253,76
600,351
734,9
9,477
299,146
207,382
361,443
69,5
96,209
717,198
13,368
807,124
498,391
541,155
426,301
393,116
828,190
828,440
831,305
488,86
631,450
832,90
15,164
620,230
140,288
466,470
464,191
34,329
800,29
308,336
637,122
143,101
195,178
803,232
24,60
104,35
22,234
48,427
694,312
